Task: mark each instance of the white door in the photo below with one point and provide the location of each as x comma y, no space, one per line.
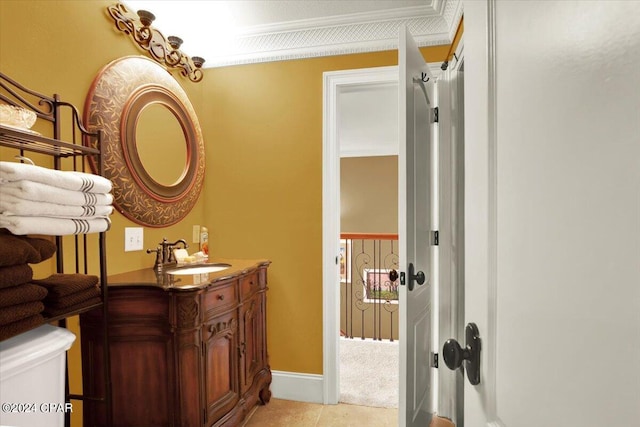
552,149
415,219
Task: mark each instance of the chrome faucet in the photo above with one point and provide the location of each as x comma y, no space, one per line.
164,252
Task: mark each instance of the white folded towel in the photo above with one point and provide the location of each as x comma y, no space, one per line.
47,193
11,205
70,180
21,225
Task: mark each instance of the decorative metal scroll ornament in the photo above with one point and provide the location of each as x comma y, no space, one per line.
164,50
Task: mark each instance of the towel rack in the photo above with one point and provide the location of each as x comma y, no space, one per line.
78,150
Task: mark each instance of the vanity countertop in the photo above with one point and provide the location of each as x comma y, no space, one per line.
148,277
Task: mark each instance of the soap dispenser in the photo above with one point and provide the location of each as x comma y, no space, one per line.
204,240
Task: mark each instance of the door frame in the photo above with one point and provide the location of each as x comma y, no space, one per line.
333,81
481,189
451,252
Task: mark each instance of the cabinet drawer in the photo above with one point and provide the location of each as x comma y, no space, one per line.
249,284
219,298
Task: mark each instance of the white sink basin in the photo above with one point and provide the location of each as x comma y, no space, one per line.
199,269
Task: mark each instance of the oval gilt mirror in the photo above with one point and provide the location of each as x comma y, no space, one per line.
153,148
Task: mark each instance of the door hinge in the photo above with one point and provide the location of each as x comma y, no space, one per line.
435,238
434,360
435,112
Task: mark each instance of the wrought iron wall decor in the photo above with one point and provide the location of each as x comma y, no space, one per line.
165,50
120,93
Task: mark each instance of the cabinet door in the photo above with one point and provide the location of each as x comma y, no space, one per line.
142,361
252,346
221,387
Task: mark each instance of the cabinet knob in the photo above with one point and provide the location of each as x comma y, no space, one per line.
220,297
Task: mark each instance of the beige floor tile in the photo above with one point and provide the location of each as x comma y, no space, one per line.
357,416
285,413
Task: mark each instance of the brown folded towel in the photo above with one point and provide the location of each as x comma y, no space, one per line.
60,285
16,250
21,294
441,422
71,299
46,248
15,275
12,329
51,312
20,311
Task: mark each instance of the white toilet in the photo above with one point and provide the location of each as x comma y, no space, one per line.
32,378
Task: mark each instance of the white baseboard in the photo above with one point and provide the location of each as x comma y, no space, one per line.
298,387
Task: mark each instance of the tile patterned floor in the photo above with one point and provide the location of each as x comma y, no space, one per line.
287,413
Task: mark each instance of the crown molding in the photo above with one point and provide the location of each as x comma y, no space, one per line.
348,19
431,25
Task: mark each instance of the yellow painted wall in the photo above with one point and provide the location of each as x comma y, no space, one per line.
262,125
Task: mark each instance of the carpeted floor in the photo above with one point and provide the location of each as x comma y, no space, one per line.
369,372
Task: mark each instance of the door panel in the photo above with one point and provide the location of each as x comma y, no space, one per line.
221,386
422,342
415,222
552,213
252,341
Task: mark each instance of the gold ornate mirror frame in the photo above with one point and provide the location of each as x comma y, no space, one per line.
119,94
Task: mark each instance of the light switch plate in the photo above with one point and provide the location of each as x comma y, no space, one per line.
133,239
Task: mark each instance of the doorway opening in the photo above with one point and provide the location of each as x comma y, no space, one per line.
369,281
367,136
361,129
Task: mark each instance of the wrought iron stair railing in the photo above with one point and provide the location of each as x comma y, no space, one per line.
369,286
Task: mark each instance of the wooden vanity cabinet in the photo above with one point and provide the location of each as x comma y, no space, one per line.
181,357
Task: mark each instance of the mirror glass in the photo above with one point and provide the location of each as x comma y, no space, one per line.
159,129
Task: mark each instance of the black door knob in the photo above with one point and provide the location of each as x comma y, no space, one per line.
418,277
454,354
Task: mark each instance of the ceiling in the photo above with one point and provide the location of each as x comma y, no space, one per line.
368,120
248,31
